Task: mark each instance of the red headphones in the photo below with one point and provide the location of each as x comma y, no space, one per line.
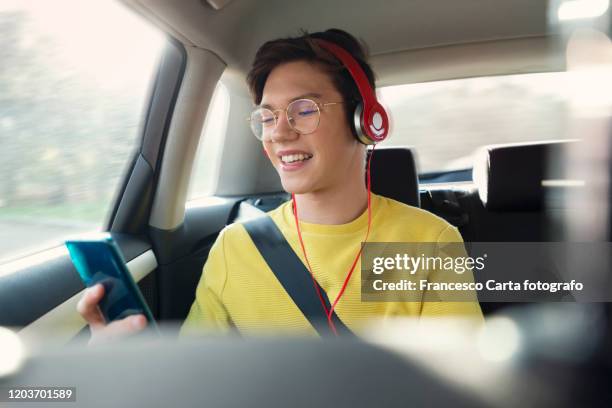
371,121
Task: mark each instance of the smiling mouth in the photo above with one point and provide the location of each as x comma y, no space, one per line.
295,158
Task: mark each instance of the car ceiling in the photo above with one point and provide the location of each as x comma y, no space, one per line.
239,27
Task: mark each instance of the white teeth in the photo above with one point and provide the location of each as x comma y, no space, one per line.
290,158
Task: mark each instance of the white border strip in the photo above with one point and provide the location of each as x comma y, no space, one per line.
32,260
563,183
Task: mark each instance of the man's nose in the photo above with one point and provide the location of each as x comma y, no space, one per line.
283,131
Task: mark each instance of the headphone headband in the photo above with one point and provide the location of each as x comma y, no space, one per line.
371,119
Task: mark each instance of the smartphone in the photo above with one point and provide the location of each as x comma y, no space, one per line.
97,259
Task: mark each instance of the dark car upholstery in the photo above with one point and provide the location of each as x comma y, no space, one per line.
510,200
394,175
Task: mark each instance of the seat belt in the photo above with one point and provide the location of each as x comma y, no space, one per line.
293,275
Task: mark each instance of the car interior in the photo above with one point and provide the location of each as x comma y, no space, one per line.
511,192
212,41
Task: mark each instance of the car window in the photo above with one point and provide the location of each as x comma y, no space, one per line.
73,89
447,121
207,157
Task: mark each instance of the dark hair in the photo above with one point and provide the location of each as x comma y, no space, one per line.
274,53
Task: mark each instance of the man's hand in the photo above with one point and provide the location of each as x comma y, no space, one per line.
101,332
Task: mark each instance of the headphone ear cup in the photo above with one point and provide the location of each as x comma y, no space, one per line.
358,126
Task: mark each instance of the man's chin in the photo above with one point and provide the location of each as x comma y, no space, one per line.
296,188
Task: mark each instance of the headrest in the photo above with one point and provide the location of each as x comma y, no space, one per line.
394,174
509,177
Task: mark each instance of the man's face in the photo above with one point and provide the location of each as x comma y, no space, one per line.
335,156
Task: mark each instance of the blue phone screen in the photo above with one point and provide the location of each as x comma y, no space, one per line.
99,261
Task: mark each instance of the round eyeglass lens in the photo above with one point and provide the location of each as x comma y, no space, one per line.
303,116
262,122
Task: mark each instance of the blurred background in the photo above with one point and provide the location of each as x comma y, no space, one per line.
72,94
72,100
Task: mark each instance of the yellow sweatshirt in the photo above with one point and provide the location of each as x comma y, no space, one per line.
238,290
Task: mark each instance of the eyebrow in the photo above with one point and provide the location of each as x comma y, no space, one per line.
303,96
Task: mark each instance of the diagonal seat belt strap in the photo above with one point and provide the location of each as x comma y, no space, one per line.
292,274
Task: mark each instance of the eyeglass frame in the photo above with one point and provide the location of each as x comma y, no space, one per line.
319,105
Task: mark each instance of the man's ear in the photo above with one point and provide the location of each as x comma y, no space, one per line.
264,152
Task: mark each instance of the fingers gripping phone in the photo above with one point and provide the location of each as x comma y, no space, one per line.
98,260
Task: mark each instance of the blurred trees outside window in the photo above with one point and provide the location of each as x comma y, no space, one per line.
74,80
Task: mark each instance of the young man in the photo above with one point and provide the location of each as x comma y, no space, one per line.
306,99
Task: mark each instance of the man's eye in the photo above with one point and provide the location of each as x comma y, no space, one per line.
307,112
267,121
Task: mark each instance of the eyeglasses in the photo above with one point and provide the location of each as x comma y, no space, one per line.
303,116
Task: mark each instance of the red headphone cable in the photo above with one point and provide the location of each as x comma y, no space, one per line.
329,313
